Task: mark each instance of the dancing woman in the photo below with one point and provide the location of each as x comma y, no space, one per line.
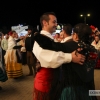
75,80
13,58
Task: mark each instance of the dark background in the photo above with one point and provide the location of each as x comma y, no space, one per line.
28,12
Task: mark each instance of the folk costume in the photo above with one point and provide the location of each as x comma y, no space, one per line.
76,80
13,59
97,46
50,61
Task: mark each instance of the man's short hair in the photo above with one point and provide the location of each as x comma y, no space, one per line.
68,29
45,17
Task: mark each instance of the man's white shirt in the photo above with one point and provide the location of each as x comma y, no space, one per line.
49,58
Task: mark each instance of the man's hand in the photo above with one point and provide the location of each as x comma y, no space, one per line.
78,58
21,37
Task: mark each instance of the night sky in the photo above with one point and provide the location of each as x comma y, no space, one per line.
29,12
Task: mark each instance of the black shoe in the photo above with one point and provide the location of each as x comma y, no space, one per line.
30,74
16,77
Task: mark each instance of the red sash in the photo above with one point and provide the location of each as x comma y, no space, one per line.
43,79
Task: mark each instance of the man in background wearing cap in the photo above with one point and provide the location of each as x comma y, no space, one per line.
30,56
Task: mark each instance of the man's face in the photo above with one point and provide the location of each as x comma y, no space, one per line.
7,36
29,32
14,35
51,24
96,38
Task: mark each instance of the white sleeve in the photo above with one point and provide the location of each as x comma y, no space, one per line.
50,59
2,44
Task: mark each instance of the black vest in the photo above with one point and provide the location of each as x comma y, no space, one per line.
83,72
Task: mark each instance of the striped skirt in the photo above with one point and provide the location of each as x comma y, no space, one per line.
13,68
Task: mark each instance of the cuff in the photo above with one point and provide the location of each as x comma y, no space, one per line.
68,58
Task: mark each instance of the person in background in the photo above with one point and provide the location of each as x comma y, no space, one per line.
23,51
61,36
31,61
0,38
57,37
67,30
96,42
12,58
4,45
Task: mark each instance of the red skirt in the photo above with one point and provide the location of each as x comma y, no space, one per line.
94,56
98,64
42,83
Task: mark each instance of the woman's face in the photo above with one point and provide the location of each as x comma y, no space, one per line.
61,35
14,35
75,36
56,36
96,38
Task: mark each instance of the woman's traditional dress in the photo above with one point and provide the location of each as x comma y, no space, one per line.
75,80
97,46
12,60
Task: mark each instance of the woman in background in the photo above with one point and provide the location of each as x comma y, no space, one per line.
12,57
23,51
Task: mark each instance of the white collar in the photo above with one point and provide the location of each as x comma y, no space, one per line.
47,34
65,39
29,35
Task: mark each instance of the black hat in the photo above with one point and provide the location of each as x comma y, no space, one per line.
29,28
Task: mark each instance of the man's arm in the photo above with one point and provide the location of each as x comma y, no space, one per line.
53,59
49,44
50,59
